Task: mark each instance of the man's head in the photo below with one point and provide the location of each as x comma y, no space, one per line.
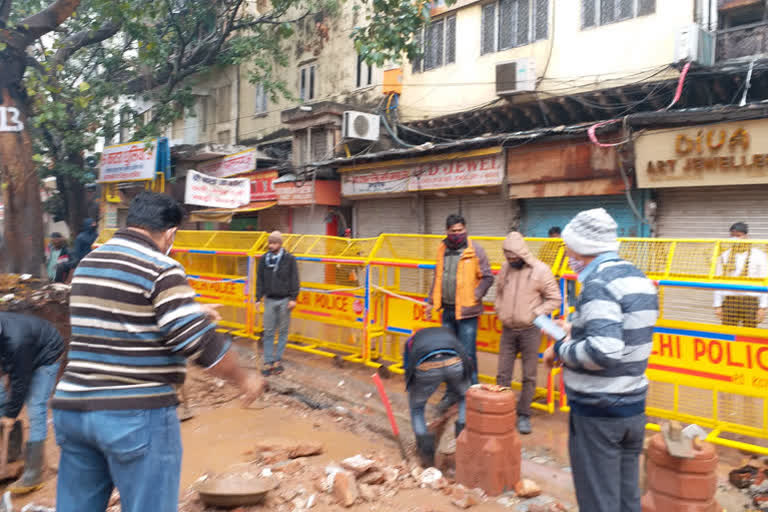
515,250
157,215
739,230
455,231
589,234
58,241
555,232
275,241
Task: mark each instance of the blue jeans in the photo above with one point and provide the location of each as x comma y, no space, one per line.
425,383
466,331
138,451
277,317
40,391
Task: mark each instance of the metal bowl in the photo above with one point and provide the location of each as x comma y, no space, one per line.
235,492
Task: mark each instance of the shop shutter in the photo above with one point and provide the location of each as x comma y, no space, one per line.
376,216
709,212
275,218
309,221
540,214
486,216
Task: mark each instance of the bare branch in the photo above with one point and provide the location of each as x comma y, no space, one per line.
48,19
84,38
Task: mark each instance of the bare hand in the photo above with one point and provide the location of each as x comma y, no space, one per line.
428,310
549,356
7,423
291,304
719,313
211,311
761,315
565,325
252,388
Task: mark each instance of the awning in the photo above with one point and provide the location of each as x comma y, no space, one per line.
225,215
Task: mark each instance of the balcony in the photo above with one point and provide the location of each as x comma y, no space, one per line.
742,41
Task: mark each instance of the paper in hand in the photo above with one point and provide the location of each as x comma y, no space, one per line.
550,328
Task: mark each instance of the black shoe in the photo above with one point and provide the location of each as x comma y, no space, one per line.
15,441
426,445
459,427
32,478
524,425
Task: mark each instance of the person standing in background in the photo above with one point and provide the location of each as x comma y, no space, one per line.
58,253
83,245
525,289
741,260
462,278
554,232
278,285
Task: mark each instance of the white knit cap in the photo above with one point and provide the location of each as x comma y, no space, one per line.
591,232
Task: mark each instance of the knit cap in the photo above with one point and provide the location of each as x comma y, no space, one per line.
276,237
591,232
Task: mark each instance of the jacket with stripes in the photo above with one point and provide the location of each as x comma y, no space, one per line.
611,339
135,323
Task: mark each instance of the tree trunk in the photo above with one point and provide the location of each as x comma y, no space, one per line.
23,250
74,196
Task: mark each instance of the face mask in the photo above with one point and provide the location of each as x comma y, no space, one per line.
577,266
456,240
517,264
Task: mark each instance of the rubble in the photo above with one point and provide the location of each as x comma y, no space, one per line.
358,464
345,488
275,450
527,489
466,498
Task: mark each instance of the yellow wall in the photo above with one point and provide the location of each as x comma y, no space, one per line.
580,58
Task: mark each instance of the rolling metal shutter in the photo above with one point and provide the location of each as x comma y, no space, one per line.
486,215
709,212
540,214
376,216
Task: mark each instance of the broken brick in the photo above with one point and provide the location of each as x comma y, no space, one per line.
527,489
345,488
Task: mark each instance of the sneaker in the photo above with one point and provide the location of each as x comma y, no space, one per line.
524,425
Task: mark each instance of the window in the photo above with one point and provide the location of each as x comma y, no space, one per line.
438,43
364,73
224,104
603,12
261,100
510,23
307,82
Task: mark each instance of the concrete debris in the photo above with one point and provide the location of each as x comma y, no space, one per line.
527,489
266,473
287,449
367,493
465,498
311,501
373,477
430,476
345,488
358,464
508,501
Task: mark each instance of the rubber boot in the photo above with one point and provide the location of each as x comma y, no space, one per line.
459,426
426,445
14,442
32,478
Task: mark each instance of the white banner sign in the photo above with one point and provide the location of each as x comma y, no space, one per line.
204,190
128,162
472,172
230,165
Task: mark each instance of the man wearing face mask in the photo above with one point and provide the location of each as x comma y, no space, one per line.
604,362
741,260
525,289
135,323
462,278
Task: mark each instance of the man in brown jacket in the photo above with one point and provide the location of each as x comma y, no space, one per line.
525,289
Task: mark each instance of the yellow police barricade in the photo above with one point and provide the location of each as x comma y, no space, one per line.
330,315
401,273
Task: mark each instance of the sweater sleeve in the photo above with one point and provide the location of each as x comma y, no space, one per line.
260,279
485,274
185,326
295,285
601,344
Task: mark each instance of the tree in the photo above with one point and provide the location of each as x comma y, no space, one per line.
68,65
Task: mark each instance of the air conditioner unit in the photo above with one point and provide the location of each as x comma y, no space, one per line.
359,125
515,76
695,44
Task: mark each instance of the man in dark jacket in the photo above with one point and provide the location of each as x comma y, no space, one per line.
431,357
277,283
83,245
30,349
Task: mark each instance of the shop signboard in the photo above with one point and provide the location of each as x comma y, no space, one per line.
202,190
237,163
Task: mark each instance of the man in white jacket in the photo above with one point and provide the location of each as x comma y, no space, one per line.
741,260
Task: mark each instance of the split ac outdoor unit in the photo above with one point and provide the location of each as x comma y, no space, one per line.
359,125
515,76
695,44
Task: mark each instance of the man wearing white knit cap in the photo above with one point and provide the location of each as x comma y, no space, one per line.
604,361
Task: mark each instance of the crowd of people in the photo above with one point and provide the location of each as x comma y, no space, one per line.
136,323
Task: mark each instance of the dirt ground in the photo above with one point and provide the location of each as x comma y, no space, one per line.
318,401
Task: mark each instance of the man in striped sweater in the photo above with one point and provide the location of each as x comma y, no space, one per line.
604,362
135,323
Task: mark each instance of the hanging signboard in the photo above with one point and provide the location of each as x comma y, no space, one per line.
134,161
324,192
230,165
262,186
458,173
204,190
